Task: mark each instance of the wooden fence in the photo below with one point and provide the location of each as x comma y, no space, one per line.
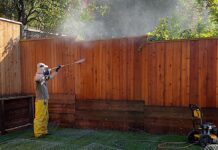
177,73
169,73
10,75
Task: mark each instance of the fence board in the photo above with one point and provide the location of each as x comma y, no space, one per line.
203,52
217,74
194,66
130,66
145,71
211,78
169,75
152,74
185,73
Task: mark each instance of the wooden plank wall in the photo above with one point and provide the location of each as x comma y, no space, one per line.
161,119
107,114
15,112
10,75
168,73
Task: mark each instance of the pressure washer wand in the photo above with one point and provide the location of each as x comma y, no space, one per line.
76,62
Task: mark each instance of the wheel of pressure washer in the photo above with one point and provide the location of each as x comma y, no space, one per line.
204,140
191,137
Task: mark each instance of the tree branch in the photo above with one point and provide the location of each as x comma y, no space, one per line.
34,18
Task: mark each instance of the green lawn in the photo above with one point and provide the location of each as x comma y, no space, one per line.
86,139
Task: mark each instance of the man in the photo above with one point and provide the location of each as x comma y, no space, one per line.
42,76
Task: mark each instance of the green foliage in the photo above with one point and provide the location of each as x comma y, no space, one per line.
213,8
47,15
40,14
179,27
168,28
88,13
213,5
50,14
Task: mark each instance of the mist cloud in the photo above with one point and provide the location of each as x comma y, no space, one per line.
128,18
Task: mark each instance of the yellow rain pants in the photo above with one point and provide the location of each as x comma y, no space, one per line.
41,117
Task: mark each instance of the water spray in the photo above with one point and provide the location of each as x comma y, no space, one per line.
76,62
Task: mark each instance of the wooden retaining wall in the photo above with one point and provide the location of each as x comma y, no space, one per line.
125,115
16,112
109,114
62,110
66,111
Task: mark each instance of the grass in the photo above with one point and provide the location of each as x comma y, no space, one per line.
87,139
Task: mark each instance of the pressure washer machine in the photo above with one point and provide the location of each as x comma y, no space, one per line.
203,133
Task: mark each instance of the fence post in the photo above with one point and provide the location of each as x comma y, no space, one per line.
2,117
31,109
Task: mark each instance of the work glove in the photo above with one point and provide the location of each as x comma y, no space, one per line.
47,72
57,68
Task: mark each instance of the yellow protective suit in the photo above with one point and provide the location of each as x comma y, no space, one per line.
41,118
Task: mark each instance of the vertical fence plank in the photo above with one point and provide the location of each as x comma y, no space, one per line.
152,75
77,73
145,71
185,73
96,70
1,50
211,77
194,70
216,73
137,69
123,70
169,75
103,67
160,48
176,74
202,84
116,68
108,69
130,68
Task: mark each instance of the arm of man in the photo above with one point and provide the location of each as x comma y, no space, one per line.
54,73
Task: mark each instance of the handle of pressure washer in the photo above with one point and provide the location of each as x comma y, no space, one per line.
193,106
76,62
57,67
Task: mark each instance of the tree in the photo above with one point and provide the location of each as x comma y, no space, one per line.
199,19
213,8
48,15
37,13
